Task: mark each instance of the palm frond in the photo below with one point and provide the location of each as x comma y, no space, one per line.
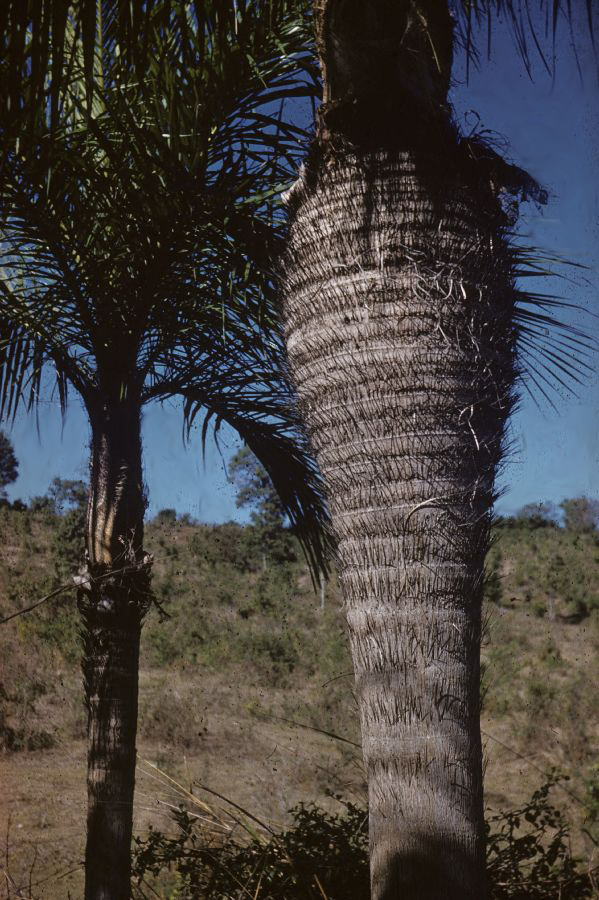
534,26
259,405
554,352
212,42
141,220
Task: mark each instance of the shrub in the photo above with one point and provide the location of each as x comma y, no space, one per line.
24,679
528,853
322,854
166,516
170,718
493,583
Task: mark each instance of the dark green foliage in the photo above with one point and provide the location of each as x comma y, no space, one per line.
319,853
528,853
67,494
42,504
559,567
255,491
231,544
57,629
493,584
69,501
528,857
166,516
21,735
58,520
9,467
228,599
70,542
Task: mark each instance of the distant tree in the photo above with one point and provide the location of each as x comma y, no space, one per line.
9,467
62,494
41,503
255,490
580,514
67,494
69,502
187,519
166,516
538,515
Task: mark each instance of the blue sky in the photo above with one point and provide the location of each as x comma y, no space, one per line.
552,130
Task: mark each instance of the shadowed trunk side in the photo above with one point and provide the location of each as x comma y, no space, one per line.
113,605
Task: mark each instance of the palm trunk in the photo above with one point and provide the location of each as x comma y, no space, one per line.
113,605
398,318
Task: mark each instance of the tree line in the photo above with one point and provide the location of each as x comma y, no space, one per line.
255,491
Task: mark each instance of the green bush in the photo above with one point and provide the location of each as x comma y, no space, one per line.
322,854
273,653
166,517
528,853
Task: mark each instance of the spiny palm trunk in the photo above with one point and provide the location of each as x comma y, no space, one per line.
113,605
398,317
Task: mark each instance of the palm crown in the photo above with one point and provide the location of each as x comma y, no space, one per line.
140,224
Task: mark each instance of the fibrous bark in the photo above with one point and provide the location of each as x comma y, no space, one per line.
116,504
113,599
398,318
398,314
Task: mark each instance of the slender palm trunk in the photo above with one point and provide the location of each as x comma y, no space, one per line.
112,607
398,317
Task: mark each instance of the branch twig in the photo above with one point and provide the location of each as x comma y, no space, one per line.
54,593
71,585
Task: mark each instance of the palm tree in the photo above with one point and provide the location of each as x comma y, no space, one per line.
139,221
404,328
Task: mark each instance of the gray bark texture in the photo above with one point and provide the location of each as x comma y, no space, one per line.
113,599
398,319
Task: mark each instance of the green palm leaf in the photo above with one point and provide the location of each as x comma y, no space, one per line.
32,35
141,220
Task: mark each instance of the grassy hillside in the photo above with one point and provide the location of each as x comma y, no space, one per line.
239,683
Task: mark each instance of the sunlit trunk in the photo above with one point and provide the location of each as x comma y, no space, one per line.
398,317
398,314
112,605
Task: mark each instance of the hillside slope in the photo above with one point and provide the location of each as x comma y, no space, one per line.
241,681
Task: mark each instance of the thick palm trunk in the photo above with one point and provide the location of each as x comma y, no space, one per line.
398,317
113,605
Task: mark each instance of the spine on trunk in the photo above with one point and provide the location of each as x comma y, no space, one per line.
398,317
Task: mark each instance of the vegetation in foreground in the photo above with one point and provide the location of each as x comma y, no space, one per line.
326,855
245,646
